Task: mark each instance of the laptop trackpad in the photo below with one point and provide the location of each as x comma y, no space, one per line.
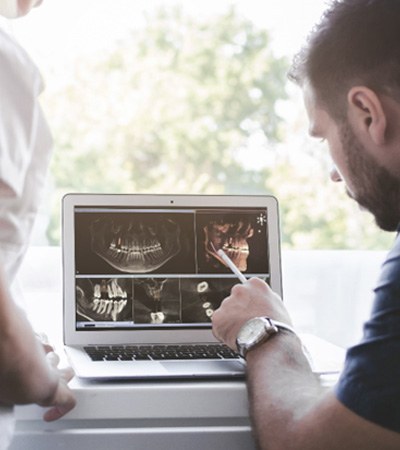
205,368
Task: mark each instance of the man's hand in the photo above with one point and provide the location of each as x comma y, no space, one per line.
251,299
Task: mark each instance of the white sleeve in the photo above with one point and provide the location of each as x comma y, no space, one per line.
7,425
25,149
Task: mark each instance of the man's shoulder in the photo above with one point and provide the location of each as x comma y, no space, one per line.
390,272
395,250
369,382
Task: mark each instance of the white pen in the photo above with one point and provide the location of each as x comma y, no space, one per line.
231,265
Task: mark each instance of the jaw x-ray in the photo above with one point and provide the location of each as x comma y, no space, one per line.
153,268
138,245
134,243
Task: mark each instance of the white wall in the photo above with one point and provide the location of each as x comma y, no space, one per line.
329,292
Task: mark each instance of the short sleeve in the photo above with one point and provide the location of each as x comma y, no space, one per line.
370,382
20,85
25,149
7,425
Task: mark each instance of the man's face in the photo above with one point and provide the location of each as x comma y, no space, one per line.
367,182
16,8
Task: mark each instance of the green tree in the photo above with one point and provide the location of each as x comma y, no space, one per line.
168,109
182,106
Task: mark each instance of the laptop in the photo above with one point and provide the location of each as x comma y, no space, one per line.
142,279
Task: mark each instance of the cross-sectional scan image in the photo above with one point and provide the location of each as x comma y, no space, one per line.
243,237
202,296
103,299
157,300
134,243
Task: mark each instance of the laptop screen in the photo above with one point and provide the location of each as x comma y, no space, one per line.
147,267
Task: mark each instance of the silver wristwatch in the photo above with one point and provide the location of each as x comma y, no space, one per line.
258,330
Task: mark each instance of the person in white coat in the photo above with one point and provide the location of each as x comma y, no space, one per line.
25,145
28,369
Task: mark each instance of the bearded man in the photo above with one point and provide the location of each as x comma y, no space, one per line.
349,73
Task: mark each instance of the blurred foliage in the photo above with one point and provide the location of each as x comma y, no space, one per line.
183,106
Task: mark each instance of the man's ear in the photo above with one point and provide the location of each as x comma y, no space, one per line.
366,113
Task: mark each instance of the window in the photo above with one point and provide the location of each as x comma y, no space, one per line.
185,96
182,96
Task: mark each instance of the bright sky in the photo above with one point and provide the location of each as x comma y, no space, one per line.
58,29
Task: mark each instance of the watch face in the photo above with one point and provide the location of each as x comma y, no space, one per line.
251,331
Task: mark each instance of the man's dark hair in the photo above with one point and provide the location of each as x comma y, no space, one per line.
357,42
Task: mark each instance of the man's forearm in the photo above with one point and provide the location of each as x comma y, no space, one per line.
289,408
291,411
282,389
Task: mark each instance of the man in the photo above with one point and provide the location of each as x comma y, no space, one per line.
28,369
350,76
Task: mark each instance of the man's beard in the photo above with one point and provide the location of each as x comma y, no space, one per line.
374,188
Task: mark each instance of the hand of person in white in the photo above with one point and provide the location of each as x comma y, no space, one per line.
16,8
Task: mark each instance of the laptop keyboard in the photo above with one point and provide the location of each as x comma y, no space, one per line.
159,352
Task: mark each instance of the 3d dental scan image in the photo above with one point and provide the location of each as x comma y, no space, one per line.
242,237
99,300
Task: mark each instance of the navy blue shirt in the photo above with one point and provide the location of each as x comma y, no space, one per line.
370,382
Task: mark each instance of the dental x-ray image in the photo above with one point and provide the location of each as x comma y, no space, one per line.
243,237
171,272
202,296
154,301
157,300
134,243
99,300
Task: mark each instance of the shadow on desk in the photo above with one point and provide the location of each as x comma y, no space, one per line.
143,415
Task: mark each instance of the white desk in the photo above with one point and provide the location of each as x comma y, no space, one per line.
207,415
201,415
149,415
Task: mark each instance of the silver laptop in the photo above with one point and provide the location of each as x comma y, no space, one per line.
142,279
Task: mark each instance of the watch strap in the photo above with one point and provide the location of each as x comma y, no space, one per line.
280,325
